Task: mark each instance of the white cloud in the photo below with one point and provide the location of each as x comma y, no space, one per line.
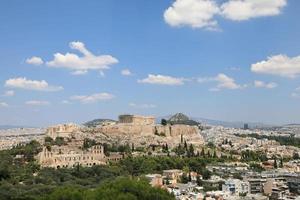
37,103
34,60
126,72
24,83
223,82
162,80
214,89
92,98
261,84
81,64
280,65
101,74
65,102
9,93
239,10
234,68
297,89
142,105
203,13
296,93
226,82
194,13
3,104
79,72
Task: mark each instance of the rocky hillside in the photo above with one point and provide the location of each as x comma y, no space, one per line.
98,122
180,118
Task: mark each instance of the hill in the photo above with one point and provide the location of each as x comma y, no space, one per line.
183,119
180,118
97,122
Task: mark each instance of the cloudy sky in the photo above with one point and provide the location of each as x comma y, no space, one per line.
64,61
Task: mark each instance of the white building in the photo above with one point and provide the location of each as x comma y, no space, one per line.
235,186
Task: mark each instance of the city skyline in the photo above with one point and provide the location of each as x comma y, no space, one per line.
76,62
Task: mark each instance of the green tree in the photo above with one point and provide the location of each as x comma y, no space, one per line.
88,143
59,141
215,154
208,154
185,145
164,122
206,174
181,139
48,140
281,163
191,151
129,189
211,145
296,156
275,164
132,147
67,193
167,147
184,178
203,152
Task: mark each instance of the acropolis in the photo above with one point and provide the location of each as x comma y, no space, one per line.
131,129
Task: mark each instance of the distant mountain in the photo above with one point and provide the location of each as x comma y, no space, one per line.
13,126
291,125
231,124
180,118
97,122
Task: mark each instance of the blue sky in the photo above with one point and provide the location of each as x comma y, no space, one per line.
212,59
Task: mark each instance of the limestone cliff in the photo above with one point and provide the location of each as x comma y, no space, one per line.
148,134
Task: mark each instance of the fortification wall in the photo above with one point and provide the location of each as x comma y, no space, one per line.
127,129
137,120
61,130
176,130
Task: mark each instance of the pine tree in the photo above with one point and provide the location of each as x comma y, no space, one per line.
281,163
77,168
226,141
181,139
296,156
275,164
208,154
202,152
185,145
132,147
191,150
153,148
215,154
184,178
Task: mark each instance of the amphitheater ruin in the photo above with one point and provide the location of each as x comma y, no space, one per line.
68,156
